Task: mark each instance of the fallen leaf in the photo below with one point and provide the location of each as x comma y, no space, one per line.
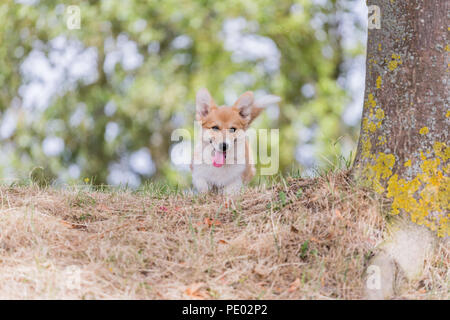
67,224
210,222
223,242
294,285
277,290
141,227
102,207
261,270
195,291
261,285
193,288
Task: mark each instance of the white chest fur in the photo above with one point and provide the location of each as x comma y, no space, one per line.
218,177
228,177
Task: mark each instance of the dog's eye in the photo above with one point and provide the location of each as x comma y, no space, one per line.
215,128
232,129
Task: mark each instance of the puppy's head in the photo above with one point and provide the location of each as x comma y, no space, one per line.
222,126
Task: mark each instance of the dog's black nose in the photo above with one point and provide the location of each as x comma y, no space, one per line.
223,146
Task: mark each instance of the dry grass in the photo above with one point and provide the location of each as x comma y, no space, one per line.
298,239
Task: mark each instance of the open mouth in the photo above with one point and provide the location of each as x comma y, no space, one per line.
219,158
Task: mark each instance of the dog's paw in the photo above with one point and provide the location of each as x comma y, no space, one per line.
201,186
232,189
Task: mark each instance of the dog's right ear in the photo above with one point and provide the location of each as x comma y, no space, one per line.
204,103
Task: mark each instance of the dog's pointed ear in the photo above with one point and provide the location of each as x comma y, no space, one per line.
244,105
204,103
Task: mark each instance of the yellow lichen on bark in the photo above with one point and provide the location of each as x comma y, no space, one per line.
378,82
426,196
424,130
396,60
379,167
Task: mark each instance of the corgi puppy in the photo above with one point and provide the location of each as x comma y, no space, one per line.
222,155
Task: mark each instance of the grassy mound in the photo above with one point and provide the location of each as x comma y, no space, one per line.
295,239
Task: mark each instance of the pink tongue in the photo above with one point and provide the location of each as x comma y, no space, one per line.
219,159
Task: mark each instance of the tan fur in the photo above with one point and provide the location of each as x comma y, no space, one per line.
229,165
250,171
227,117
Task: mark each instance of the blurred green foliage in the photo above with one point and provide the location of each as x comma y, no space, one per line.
182,47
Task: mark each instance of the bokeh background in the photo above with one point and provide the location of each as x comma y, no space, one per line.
101,102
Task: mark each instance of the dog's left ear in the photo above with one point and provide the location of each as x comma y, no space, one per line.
204,103
244,105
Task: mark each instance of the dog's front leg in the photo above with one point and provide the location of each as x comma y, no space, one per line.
200,184
233,188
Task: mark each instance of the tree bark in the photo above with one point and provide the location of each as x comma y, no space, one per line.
403,149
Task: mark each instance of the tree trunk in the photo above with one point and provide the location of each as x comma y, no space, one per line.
403,148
